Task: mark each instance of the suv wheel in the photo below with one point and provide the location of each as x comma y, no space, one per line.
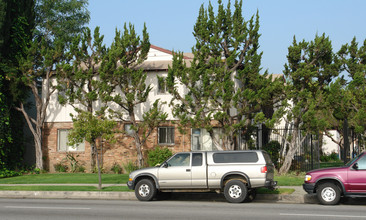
235,191
145,190
328,194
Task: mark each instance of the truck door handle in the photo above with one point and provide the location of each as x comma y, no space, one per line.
188,170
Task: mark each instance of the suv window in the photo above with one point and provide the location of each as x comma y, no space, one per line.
237,157
267,158
362,163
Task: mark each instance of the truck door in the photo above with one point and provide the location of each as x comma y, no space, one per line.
177,173
199,172
357,176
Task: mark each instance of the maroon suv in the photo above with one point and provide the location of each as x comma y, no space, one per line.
331,183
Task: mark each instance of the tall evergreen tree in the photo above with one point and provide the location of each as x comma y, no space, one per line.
309,71
79,86
223,80
125,85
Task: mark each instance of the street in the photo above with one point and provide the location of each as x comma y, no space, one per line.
40,209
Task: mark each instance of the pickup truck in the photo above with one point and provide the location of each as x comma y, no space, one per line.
235,173
330,184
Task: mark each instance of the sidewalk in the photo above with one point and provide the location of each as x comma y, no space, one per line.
298,196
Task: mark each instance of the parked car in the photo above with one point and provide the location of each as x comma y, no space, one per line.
235,173
330,184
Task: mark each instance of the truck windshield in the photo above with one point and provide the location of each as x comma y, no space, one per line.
353,160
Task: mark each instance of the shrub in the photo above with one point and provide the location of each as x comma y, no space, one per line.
8,173
158,155
74,164
59,167
273,149
116,168
129,167
333,157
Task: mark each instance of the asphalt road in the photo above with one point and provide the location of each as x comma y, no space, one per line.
39,209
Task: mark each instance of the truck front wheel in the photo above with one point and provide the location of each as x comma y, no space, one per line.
145,190
235,191
328,194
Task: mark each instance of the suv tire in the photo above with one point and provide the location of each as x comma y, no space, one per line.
328,193
235,191
145,190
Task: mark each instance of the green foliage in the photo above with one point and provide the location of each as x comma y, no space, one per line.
90,127
60,167
333,157
129,167
4,173
273,149
116,168
158,155
74,164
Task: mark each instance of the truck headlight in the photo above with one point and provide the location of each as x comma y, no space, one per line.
307,178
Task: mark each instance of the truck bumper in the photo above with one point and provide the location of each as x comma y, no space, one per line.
131,185
308,187
270,184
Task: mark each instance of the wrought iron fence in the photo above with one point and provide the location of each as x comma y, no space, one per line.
309,154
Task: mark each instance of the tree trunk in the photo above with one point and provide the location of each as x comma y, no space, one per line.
98,165
140,156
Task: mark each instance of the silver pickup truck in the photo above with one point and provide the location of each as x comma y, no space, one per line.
235,173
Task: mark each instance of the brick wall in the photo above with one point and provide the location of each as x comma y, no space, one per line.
120,152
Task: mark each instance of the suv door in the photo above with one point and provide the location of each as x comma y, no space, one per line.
177,172
357,176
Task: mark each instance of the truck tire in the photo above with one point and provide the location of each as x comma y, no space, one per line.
145,190
328,193
235,191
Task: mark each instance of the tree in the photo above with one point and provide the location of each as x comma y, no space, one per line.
223,80
56,23
90,127
310,69
125,85
353,59
345,102
16,25
79,86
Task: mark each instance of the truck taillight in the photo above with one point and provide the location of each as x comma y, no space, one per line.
264,169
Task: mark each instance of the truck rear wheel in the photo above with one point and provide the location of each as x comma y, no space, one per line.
235,191
145,190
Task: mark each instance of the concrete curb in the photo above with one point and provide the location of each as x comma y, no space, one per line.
299,196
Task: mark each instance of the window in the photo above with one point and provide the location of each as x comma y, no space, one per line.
183,159
201,139
196,159
62,142
166,135
237,157
362,163
161,85
128,129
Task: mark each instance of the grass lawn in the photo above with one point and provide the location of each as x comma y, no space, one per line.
60,178
89,178
290,180
64,188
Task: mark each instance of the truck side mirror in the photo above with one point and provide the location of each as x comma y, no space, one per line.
164,165
355,166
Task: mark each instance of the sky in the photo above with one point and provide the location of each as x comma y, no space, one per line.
170,22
